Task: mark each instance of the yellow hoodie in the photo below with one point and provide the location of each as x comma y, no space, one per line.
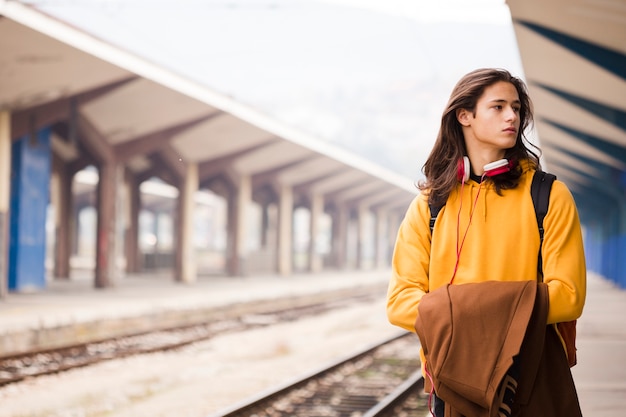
502,244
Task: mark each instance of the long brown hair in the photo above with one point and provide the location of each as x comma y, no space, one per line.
440,168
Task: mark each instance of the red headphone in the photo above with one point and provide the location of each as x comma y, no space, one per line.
492,169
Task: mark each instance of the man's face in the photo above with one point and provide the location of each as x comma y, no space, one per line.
495,123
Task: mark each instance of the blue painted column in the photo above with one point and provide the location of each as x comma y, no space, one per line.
30,190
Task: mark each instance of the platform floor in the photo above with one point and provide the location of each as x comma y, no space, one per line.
600,374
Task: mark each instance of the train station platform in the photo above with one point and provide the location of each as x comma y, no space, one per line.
74,309
600,374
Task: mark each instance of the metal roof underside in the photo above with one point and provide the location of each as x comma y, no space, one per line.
574,57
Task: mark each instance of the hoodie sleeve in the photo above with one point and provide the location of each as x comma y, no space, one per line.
564,266
410,264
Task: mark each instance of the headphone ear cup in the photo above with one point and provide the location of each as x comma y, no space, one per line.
463,169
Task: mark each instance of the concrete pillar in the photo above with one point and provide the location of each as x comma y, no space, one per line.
339,240
239,201
317,209
381,239
109,239
395,218
133,256
244,200
187,267
62,201
265,225
5,197
231,234
361,237
285,231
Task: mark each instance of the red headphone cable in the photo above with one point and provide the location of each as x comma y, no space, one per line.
458,225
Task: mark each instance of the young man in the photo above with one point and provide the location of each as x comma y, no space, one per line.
480,172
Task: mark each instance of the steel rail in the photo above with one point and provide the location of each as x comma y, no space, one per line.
258,402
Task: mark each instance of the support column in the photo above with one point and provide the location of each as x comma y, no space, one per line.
231,233
317,209
285,231
244,199
5,197
395,218
340,237
156,232
109,239
265,224
186,265
133,261
30,192
380,240
62,200
361,237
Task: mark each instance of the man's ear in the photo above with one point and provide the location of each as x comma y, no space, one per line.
463,116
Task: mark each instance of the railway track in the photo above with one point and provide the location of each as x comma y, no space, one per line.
383,380
33,364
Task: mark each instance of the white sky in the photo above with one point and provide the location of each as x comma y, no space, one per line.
479,11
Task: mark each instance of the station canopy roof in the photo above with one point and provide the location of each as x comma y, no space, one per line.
574,56
148,116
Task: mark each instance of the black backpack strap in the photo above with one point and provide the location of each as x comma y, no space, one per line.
434,212
540,193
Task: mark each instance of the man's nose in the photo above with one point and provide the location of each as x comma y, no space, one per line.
511,114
